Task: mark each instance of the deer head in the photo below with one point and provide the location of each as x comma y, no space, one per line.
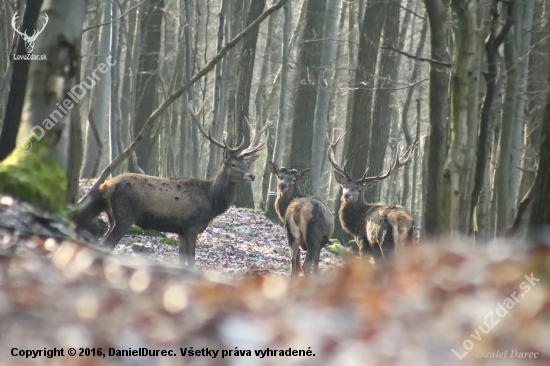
352,189
29,40
286,179
236,160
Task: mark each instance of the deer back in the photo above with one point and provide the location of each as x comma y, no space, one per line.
159,197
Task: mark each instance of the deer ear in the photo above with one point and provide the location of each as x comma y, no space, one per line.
340,179
303,174
273,168
250,159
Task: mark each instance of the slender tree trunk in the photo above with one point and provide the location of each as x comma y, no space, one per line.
306,91
437,141
382,109
540,211
359,136
404,116
147,76
502,185
322,103
18,81
217,120
100,111
455,193
280,136
246,69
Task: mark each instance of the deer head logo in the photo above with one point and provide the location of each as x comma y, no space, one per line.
29,40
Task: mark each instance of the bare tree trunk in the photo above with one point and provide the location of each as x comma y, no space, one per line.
359,136
217,120
45,127
322,102
437,136
19,75
306,90
100,112
246,69
382,109
405,113
455,189
280,136
540,211
502,184
146,84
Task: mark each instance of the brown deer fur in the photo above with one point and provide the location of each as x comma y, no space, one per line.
308,221
183,206
379,228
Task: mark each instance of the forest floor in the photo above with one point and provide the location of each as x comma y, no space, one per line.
433,305
236,243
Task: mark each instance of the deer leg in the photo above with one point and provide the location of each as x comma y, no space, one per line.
190,241
308,263
182,249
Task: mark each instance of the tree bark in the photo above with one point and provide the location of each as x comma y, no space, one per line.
306,91
502,185
322,103
382,109
244,196
19,75
45,127
540,211
437,135
455,189
147,75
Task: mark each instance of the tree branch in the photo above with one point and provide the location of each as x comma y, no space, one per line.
446,64
114,20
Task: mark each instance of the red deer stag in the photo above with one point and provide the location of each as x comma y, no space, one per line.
184,206
378,228
307,220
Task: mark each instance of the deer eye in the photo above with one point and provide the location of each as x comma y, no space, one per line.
233,165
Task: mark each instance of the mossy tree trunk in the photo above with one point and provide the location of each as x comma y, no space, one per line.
36,171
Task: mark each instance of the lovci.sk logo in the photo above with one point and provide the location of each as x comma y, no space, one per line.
29,40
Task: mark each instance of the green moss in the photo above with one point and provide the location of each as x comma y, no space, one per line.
34,177
169,241
336,248
136,230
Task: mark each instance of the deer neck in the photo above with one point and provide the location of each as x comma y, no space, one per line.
283,201
222,192
352,216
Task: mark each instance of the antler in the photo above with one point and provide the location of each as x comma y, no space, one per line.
254,142
13,25
332,152
398,163
36,33
196,117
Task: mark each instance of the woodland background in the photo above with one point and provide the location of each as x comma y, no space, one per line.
467,77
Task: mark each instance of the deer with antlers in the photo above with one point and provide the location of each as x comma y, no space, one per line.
184,206
378,228
308,220
29,40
